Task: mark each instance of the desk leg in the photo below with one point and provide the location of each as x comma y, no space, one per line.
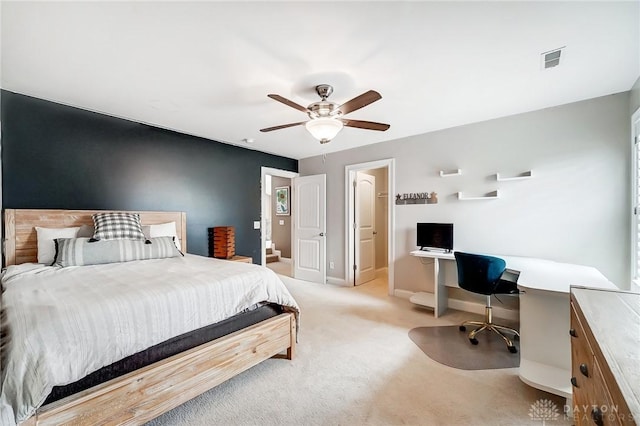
441,293
545,346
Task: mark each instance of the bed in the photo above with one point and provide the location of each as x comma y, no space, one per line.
134,396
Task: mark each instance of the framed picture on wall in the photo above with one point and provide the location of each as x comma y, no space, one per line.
282,201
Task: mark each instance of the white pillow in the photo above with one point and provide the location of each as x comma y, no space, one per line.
162,230
46,245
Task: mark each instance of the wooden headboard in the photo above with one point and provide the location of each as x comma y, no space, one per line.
21,245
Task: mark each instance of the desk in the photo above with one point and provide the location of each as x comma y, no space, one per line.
438,300
545,347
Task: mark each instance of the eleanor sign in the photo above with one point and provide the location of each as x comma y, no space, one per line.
416,198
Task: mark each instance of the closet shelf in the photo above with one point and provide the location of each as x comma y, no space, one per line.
488,196
524,175
449,173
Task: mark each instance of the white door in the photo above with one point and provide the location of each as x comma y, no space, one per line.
309,228
365,210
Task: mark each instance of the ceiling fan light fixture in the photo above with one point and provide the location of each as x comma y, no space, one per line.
324,128
326,117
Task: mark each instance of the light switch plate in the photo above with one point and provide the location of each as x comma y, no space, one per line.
256,224
281,221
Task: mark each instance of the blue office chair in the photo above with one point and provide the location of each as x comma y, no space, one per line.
481,274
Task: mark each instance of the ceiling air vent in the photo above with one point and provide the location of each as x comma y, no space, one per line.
552,58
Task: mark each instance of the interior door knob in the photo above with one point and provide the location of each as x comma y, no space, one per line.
375,233
322,234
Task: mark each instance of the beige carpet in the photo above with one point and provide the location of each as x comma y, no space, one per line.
282,268
356,365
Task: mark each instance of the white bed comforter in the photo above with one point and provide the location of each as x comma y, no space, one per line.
68,322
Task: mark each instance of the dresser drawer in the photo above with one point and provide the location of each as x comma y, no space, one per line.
597,408
592,401
581,361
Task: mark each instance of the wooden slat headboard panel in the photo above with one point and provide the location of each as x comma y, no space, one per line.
21,245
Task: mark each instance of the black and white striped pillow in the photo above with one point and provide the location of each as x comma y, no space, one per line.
117,226
80,252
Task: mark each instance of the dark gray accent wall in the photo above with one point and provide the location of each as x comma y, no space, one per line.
55,156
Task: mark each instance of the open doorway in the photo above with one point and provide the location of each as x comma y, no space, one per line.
370,243
278,244
276,221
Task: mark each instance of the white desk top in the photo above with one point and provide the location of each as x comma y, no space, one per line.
433,254
548,275
542,274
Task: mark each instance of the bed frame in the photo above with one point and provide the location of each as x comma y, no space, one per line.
144,394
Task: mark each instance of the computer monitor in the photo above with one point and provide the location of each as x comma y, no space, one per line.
435,235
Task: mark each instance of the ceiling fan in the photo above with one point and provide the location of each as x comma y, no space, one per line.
326,118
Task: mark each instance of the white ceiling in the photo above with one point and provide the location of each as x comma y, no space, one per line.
205,68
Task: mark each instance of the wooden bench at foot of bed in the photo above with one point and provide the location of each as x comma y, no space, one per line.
144,394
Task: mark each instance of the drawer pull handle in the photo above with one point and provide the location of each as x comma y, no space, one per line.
572,332
596,415
584,370
574,382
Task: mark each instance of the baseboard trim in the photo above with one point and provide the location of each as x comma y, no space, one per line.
478,308
285,260
337,281
468,306
403,294
382,272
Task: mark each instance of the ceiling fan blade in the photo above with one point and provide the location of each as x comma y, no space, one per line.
358,102
288,102
369,125
283,126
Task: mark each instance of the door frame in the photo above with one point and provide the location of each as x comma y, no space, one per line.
263,194
635,139
350,174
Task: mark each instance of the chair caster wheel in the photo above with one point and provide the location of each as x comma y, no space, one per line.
474,341
512,349
462,328
516,337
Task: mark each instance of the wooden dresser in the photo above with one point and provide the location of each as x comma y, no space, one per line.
605,356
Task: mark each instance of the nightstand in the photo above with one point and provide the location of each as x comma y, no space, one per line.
245,259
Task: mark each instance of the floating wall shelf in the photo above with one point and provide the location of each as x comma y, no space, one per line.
488,196
450,173
524,175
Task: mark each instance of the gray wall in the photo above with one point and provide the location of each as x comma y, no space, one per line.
281,234
634,101
381,216
575,208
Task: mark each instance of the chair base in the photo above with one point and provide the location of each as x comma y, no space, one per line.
488,324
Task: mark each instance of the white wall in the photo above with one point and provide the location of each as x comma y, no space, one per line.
575,208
